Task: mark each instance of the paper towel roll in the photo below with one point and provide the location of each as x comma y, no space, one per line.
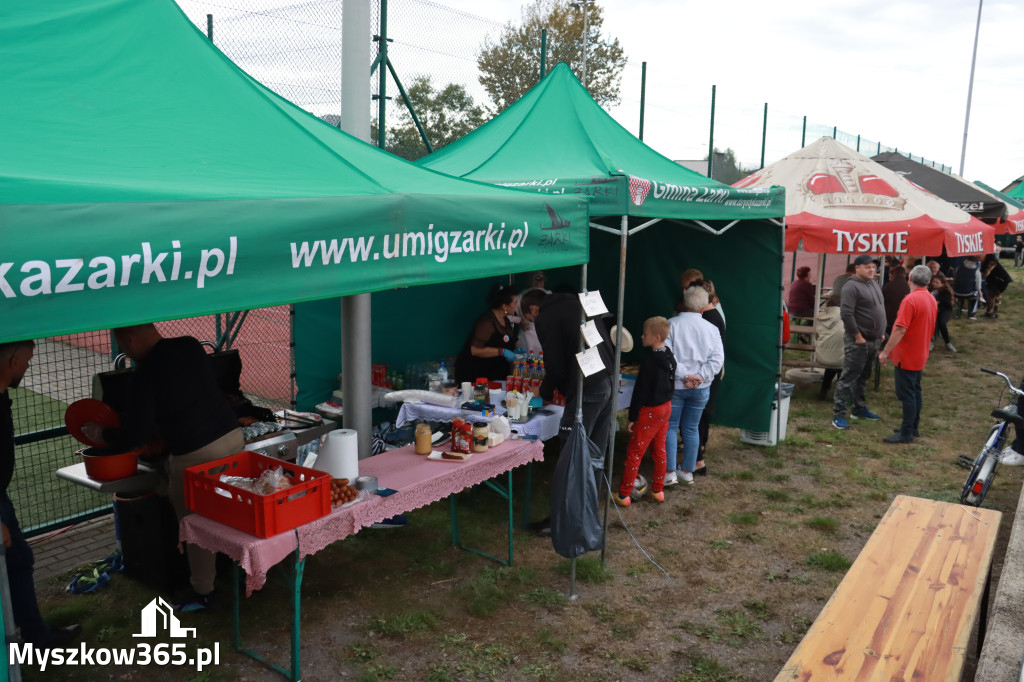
467,391
339,455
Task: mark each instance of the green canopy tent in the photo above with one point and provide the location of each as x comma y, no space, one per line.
145,177
558,141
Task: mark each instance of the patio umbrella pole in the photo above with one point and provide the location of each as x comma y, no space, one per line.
572,596
619,311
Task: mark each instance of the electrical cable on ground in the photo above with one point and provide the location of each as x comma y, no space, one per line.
608,487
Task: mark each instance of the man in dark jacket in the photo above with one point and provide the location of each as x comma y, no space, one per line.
863,314
174,398
558,328
14,360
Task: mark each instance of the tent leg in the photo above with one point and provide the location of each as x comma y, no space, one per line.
572,596
619,311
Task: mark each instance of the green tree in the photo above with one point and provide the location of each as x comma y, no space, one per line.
726,168
446,115
509,67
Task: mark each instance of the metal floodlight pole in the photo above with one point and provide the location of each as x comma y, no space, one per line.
585,4
764,132
970,89
803,134
643,96
209,27
711,137
543,50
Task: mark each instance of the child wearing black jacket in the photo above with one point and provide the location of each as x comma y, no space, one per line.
649,411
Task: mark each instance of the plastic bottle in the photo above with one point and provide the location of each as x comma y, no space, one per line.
531,360
442,373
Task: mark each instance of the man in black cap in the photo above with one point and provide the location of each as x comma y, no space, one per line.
862,310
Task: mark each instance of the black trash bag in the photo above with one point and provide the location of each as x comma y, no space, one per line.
576,524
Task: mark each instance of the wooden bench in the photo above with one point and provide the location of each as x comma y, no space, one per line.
906,608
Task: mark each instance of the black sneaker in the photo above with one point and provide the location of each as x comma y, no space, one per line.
58,638
193,601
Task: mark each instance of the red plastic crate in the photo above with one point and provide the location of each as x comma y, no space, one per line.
261,515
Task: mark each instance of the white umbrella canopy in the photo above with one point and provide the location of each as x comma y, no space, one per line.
840,201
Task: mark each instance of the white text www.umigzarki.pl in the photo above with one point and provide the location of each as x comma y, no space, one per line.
438,244
140,654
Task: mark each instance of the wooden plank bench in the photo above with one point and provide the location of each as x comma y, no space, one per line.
906,608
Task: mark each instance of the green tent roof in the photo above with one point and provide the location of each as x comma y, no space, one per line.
144,177
557,139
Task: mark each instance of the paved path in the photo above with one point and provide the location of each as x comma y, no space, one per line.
81,544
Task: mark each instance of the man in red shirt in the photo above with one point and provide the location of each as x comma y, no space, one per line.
908,348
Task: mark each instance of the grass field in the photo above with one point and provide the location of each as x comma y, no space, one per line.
750,554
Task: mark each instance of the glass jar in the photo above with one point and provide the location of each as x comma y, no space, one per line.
480,436
460,442
424,437
480,390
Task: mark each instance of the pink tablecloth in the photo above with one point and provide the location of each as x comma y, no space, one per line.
419,482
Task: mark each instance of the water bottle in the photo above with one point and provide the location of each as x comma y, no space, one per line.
442,373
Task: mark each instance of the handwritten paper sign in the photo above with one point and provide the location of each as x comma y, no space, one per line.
590,333
593,304
589,361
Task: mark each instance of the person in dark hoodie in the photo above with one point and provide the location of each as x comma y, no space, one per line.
967,287
996,281
649,411
558,328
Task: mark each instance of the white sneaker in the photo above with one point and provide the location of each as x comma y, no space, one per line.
950,347
686,477
1011,458
670,478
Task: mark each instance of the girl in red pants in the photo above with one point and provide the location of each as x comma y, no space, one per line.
649,411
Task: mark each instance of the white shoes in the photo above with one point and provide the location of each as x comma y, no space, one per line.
950,347
686,477
1011,458
670,478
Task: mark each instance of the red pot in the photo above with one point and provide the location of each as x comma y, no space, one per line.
102,465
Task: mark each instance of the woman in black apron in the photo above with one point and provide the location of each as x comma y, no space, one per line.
488,349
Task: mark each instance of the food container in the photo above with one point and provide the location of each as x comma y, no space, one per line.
480,436
308,499
103,465
423,438
461,435
481,390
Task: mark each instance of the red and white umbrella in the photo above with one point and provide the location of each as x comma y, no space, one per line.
840,201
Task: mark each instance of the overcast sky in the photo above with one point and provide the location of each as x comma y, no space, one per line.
894,72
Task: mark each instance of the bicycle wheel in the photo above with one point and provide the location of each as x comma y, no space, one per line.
984,469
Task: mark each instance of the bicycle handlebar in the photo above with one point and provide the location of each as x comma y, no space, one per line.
1009,383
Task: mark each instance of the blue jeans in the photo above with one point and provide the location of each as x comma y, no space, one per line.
687,407
19,575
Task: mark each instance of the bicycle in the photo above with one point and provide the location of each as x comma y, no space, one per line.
983,467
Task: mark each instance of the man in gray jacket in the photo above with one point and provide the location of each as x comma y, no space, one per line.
863,313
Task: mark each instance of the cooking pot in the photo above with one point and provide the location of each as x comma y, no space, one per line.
104,465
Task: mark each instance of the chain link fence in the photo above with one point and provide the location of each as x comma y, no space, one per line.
295,49
62,372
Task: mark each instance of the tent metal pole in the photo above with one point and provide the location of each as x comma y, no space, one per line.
356,388
619,311
209,27
803,135
781,341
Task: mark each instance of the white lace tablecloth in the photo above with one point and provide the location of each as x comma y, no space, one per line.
544,426
417,480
